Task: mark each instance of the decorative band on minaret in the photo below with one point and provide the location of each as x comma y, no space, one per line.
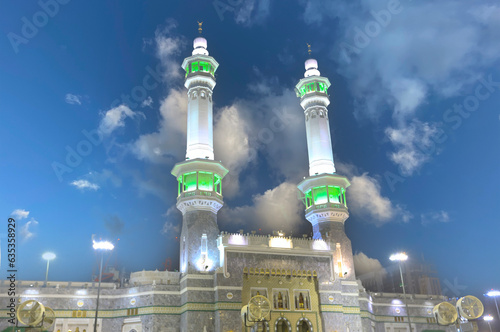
199,176
323,192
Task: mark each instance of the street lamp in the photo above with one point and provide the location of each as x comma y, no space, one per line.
48,256
102,246
488,319
494,294
401,257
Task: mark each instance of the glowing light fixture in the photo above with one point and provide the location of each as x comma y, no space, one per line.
103,246
400,256
494,294
106,245
48,256
488,319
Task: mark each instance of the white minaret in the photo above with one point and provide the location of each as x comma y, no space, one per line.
319,143
199,176
324,190
200,82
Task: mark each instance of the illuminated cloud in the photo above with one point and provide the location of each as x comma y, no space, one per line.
365,199
364,265
277,208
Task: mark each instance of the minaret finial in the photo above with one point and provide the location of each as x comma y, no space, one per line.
309,49
199,27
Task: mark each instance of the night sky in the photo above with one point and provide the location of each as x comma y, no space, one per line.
414,119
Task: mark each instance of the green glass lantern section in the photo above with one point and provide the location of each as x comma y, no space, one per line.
204,181
323,195
200,66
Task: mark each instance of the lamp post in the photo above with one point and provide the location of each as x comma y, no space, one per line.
401,257
494,294
488,319
102,246
48,256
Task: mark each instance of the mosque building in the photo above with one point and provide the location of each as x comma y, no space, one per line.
309,283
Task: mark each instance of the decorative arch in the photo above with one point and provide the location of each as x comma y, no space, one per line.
285,321
302,321
255,327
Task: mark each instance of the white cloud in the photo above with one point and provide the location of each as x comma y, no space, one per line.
232,146
172,226
19,214
72,99
434,217
147,102
277,208
167,143
365,199
115,118
27,231
84,184
413,144
364,265
168,49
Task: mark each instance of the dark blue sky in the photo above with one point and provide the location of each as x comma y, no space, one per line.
424,174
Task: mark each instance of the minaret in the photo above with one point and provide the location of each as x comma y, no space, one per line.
324,190
199,176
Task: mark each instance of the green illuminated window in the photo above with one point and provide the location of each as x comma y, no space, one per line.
322,87
308,199
194,67
218,184
179,186
311,87
334,194
205,181
201,66
320,195
302,90
189,181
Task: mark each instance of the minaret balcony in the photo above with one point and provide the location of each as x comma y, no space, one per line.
327,206
200,193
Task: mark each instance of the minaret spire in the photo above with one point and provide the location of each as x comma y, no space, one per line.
199,176
324,190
